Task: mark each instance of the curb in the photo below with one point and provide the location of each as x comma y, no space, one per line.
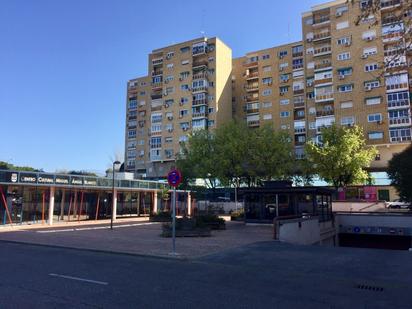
141,255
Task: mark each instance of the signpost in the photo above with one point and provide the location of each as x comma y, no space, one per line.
174,178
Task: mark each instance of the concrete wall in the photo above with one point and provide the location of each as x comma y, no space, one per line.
298,231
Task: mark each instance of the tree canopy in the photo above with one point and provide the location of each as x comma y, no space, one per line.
400,172
235,154
342,156
8,166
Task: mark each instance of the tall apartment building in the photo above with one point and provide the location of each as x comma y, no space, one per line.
336,74
188,88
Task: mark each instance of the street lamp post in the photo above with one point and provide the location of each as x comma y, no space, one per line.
113,196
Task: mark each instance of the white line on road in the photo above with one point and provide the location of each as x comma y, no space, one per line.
79,279
94,228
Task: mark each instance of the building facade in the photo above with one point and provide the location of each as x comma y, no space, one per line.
343,72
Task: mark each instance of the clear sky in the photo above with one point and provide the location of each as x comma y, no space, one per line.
64,66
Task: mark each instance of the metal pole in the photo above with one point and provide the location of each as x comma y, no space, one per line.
277,206
174,222
111,217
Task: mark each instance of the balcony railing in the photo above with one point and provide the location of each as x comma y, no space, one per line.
253,123
200,63
321,20
157,61
322,81
298,91
324,97
322,65
400,121
299,54
299,103
389,4
249,64
393,36
199,114
156,95
400,139
325,113
201,75
399,103
252,87
250,98
301,130
199,102
252,110
322,51
321,36
157,72
397,86
157,85
199,89
297,66
252,75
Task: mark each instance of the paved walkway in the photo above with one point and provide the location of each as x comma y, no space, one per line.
138,237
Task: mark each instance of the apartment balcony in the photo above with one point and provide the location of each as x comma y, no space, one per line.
157,62
321,36
296,55
401,139
298,117
298,104
200,75
199,50
397,87
250,64
251,87
252,75
200,63
401,121
398,104
199,89
157,85
199,115
321,20
252,110
250,98
325,113
132,117
301,130
321,66
324,97
156,94
299,143
392,36
199,102
320,128
391,4
297,66
253,123
157,72
322,51
298,91
322,81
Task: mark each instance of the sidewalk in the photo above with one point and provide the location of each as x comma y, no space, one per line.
137,237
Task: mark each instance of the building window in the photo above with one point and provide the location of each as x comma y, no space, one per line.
342,25
284,78
267,68
168,139
374,117
210,110
169,78
132,103
283,65
347,121
348,104
312,111
283,53
369,85
284,114
345,88
185,49
264,57
344,41
267,104
371,67
267,81
284,102
266,92
375,135
267,116
140,142
369,35
369,51
398,99
344,56
284,89
210,123
183,112
184,87
345,71
132,133
312,125
169,66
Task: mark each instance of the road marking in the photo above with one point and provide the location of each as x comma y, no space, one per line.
79,279
95,228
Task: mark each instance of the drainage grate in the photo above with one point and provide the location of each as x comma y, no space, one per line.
369,288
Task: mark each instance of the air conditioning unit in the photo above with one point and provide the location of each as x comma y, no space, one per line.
165,94
181,103
166,105
166,81
180,78
185,128
379,122
170,118
369,38
338,14
341,76
309,40
364,56
348,43
310,84
280,57
368,88
280,69
282,93
169,130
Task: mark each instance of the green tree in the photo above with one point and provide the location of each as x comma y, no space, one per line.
9,166
400,172
342,156
197,159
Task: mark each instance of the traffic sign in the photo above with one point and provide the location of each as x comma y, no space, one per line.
174,178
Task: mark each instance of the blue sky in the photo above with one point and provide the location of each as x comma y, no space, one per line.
64,66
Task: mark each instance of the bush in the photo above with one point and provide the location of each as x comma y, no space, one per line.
161,216
237,215
212,221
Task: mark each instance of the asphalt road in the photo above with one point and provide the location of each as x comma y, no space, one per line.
264,275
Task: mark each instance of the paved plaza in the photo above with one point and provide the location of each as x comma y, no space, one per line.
137,236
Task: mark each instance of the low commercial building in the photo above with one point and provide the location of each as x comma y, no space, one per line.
32,197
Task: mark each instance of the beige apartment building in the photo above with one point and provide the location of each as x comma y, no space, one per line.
336,74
